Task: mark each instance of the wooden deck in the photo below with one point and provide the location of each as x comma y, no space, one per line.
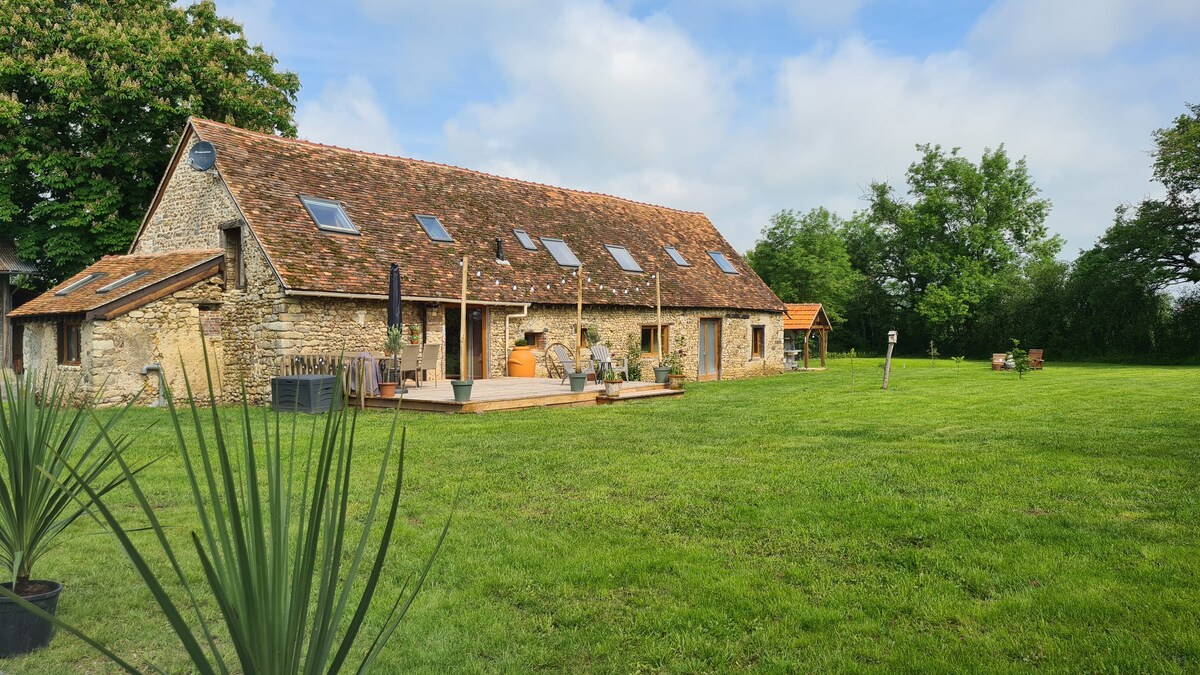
514,393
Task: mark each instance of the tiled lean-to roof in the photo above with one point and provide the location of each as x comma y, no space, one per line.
805,316
382,196
119,283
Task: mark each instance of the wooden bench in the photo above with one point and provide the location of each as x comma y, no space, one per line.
998,361
1035,359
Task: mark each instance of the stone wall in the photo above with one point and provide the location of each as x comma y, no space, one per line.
616,324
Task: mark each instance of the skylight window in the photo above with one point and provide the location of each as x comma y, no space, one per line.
561,252
526,241
81,283
621,255
329,215
434,228
722,262
122,281
676,256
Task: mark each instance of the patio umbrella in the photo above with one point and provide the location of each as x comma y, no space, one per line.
395,315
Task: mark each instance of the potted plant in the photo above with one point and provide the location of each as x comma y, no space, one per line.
414,333
51,476
392,345
674,365
521,361
612,384
633,357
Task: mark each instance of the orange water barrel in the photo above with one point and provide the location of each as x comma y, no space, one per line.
521,362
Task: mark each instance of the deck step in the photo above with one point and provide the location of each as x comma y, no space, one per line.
639,394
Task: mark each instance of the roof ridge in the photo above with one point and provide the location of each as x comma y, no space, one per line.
443,165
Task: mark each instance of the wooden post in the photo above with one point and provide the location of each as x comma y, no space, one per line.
463,373
807,334
824,339
658,309
579,322
887,363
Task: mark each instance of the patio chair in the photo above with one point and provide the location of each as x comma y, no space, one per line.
410,362
998,361
567,360
613,364
1035,359
429,361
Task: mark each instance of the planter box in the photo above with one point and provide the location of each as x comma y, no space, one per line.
304,393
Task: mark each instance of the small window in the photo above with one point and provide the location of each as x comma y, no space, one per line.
525,240
81,283
650,339
69,341
122,281
434,228
561,252
676,256
329,215
621,255
758,341
722,262
537,340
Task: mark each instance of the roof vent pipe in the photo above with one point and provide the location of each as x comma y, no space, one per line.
499,248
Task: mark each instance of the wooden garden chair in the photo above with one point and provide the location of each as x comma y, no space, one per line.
1035,359
611,363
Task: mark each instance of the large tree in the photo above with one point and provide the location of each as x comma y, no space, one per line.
803,259
93,96
1161,237
962,227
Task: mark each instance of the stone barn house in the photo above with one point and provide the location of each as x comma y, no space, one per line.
282,248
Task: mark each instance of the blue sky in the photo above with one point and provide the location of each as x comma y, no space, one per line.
740,109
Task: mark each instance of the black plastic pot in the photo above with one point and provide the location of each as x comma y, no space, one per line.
20,631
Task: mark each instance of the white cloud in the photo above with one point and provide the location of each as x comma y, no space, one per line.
1040,30
347,114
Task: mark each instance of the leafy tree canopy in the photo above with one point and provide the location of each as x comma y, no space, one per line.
803,258
964,224
1160,238
93,96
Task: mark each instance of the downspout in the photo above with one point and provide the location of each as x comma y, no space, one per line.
162,383
507,349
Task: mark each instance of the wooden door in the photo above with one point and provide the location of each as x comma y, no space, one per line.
476,344
710,350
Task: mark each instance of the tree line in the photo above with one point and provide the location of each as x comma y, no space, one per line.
963,260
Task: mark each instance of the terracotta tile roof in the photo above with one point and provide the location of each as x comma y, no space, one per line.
160,268
266,174
805,316
11,264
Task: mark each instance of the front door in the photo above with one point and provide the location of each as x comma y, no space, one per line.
710,349
476,349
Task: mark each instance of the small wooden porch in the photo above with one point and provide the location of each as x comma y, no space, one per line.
513,393
799,324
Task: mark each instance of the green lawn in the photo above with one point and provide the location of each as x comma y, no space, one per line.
961,521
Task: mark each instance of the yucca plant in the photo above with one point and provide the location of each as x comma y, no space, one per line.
53,468
276,547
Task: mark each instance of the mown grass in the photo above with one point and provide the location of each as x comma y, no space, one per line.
962,521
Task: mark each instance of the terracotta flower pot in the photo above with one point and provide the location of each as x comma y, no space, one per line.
387,389
675,381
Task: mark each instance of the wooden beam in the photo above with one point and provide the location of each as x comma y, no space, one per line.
824,339
807,334
463,373
579,321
